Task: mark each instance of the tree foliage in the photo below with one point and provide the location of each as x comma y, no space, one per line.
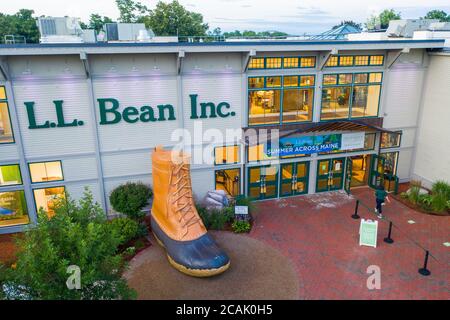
441,15
130,198
131,11
381,21
21,23
78,234
349,22
254,34
97,22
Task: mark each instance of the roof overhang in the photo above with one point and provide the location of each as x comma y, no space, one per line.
241,46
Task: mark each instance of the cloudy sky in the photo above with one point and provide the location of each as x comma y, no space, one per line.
291,16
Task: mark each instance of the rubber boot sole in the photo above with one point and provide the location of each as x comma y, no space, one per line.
199,273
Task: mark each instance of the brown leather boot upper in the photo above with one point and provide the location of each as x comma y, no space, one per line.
173,205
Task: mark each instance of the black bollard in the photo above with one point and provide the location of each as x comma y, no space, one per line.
388,239
355,215
424,271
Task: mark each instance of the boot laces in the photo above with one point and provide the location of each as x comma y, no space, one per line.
182,196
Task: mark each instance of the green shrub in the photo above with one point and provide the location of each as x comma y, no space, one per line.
425,200
240,226
448,204
414,192
215,219
404,195
78,234
440,195
130,198
126,228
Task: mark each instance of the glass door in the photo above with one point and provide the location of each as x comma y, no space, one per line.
294,179
330,174
376,171
348,175
263,182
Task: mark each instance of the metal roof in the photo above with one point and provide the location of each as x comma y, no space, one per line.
338,33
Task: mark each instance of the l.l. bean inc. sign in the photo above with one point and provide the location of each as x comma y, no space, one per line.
111,112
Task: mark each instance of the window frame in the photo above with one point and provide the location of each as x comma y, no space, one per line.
281,88
400,132
353,65
282,62
228,163
20,174
231,168
43,188
9,117
51,181
351,85
28,213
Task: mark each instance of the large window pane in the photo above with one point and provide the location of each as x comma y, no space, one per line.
256,82
376,60
308,62
47,198
365,101
306,81
46,171
273,82
290,81
273,63
6,135
335,103
390,164
226,155
13,208
264,107
332,61
10,175
256,63
297,105
346,61
291,62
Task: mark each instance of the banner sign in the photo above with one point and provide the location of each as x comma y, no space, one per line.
368,231
294,146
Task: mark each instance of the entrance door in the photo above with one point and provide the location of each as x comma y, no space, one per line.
348,175
294,179
330,174
263,182
229,181
376,171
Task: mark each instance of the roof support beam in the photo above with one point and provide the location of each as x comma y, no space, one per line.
390,61
4,68
180,57
84,60
327,56
247,58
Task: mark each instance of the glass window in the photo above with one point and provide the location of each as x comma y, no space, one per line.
10,175
291,81
46,171
297,105
229,181
264,106
361,78
13,208
369,141
375,77
47,198
290,62
390,140
365,101
376,60
361,60
329,79
226,155
345,61
256,82
390,164
345,78
332,61
256,63
273,63
306,81
2,93
273,82
257,153
308,62
335,103
6,135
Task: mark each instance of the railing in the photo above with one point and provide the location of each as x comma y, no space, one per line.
13,39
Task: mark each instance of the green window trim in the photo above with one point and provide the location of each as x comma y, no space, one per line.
352,85
282,66
228,163
281,88
19,172
354,65
50,181
5,100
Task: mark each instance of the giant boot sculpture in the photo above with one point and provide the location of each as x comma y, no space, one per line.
175,221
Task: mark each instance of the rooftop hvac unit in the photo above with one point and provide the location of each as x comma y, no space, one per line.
59,29
127,32
405,28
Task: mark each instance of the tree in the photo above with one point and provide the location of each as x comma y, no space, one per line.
172,19
441,15
381,21
77,235
350,23
97,22
254,34
131,11
21,23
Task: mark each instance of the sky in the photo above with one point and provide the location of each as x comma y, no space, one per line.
295,17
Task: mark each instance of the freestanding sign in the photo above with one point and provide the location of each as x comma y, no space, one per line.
368,231
241,212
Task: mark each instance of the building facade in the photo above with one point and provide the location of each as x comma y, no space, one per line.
346,113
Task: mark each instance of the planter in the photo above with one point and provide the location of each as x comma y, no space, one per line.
419,208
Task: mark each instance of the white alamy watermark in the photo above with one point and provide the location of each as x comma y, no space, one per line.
74,280
374,280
